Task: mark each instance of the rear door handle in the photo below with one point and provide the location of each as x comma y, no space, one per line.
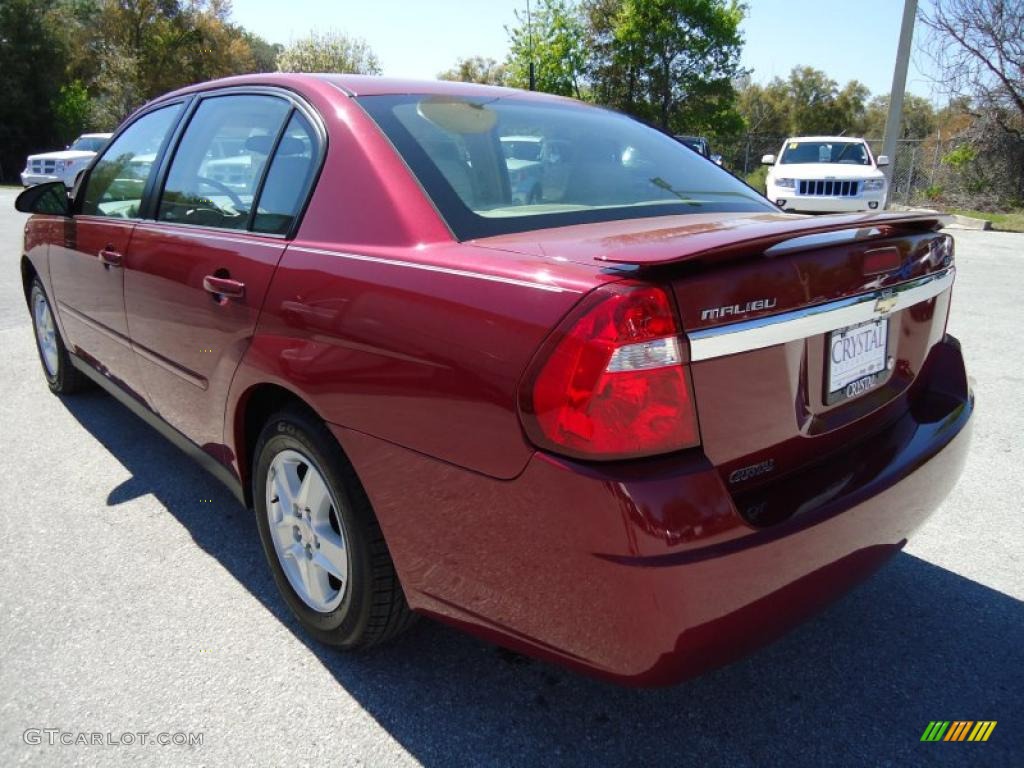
224,287
110,257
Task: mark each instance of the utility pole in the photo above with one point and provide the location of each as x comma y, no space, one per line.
899,86
529,26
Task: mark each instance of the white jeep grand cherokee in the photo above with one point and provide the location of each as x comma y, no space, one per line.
64,165
826,174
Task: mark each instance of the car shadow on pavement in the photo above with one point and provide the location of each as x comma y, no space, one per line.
855,686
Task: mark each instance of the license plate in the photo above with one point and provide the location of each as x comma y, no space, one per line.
857,359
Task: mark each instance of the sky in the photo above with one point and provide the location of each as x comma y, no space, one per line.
848,39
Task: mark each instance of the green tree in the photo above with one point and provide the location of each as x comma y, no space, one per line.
808,102
72,111
476,69
264,54
139,49
818,106
765,109
671,62
918,119
850,108
66,65
329,52
554,39
119,89
32,61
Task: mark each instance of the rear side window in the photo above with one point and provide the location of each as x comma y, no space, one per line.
290,175
219,163
117,181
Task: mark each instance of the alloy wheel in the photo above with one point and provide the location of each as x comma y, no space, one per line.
46,332
307,531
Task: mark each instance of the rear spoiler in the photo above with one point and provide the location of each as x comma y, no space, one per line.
770,235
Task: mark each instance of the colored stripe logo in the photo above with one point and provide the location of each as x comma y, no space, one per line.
958,730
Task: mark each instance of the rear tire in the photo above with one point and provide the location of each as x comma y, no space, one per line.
61,375
321,538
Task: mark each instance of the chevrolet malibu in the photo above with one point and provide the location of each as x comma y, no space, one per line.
638,425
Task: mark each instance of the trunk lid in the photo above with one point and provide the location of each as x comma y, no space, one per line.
762,299
777,384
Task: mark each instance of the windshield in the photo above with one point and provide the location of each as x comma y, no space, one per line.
844,152
89,143
493,166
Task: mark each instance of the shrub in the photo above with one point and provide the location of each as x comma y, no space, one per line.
758,179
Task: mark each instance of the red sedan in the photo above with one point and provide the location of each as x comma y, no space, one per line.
520,364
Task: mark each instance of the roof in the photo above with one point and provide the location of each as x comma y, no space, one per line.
95,135
371,85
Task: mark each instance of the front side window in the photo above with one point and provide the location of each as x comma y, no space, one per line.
219,163
843,152
501,165
116,183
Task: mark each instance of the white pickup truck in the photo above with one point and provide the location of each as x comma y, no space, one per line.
826,174
64,165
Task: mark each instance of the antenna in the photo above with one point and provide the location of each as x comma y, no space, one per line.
529,27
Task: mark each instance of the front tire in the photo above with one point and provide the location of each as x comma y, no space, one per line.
322,541
61,375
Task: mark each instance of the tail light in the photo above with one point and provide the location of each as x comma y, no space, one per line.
611,383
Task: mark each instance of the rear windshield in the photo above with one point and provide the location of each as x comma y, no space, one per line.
843,152
493,166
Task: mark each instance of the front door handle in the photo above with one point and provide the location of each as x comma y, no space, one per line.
224,287
110,257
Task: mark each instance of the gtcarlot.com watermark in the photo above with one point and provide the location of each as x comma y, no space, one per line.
58,737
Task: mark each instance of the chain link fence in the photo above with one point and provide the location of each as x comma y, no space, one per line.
927,172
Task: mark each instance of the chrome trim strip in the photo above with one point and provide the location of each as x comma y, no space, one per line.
192,230
433,268
110,221
812,321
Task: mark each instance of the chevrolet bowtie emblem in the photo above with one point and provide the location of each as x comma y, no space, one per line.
885,305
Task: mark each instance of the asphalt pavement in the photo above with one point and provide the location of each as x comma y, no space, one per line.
134,598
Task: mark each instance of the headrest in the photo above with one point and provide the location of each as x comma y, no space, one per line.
262,145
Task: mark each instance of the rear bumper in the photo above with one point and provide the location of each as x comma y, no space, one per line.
649,573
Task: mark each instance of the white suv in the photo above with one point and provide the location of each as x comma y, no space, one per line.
826,174
64,165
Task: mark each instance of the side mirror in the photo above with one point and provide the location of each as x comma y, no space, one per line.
716,159
768,160
882,160
50,198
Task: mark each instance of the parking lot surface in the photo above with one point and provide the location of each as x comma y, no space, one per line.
134,597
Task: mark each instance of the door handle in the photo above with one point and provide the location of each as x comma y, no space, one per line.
224,287
110,257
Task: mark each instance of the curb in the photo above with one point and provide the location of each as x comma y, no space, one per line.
968,222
